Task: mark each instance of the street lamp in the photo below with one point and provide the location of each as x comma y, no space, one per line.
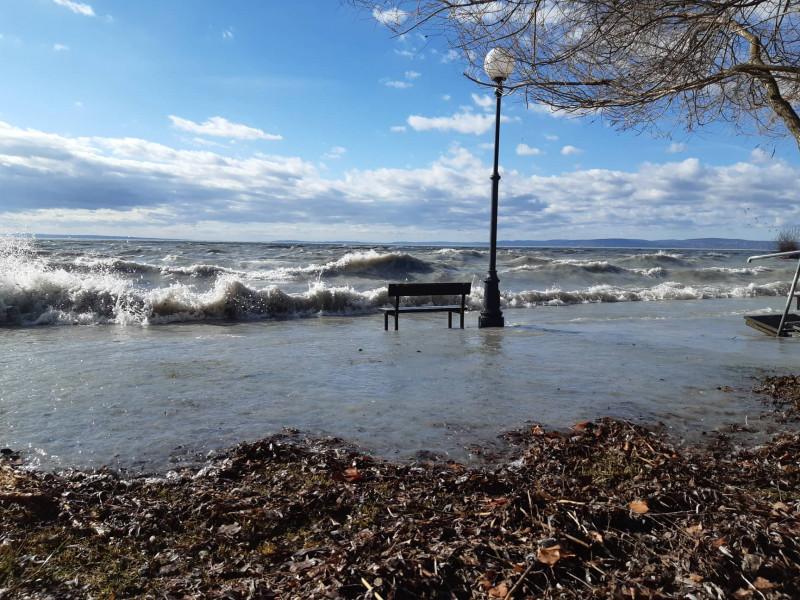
498,65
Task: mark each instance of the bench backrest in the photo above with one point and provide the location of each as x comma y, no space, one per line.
429,289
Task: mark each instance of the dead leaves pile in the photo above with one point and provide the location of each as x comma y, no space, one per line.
607,510
784,391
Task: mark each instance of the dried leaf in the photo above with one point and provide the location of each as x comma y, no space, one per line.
550,555
499,591
596,537
581,425
496,502
231,529
781,507
352,475
695,531
761,583
640,507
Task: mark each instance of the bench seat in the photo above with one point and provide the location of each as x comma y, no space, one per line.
426,289
431,308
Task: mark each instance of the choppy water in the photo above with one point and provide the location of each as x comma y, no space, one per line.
129,283
160,349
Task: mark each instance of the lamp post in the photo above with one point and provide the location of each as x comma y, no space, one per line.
498,65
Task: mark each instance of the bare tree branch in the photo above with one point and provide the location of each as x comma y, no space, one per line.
638,63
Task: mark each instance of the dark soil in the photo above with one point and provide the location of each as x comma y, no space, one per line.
607,510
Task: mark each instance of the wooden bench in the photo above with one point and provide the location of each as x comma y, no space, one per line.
426,289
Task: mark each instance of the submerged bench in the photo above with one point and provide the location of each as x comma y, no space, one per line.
426,289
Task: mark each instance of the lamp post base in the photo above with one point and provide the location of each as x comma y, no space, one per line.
491,315
493,320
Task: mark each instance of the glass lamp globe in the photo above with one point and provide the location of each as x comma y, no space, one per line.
499,64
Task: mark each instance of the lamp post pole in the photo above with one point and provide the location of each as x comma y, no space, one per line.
491,315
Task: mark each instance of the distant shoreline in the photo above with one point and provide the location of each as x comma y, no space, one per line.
729,244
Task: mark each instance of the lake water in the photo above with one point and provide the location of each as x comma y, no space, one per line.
141,355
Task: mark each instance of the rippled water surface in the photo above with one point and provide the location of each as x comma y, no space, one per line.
137,354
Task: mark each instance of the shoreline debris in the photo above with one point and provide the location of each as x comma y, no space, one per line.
608,509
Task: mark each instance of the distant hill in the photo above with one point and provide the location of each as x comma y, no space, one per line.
66,236
694,243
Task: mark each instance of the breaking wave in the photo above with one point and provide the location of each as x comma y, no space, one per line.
33,292
58,300
39,287
461,252
656,259
576,267
365,264
666,291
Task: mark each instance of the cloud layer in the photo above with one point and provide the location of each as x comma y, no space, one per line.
130,186
462,122
221,127
77,7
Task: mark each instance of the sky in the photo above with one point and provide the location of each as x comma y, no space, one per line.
262,120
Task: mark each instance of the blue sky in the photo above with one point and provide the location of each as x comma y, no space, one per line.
262,120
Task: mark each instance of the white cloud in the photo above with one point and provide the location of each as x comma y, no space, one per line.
483,100
391,17
676,148
759,156
77,7
60,48
221,127
551,138
400,84
525,150
206,143
446,97
570,150
543,109
335,153
410,53
398,129
450,56
463,122
78,104
227,34
129,186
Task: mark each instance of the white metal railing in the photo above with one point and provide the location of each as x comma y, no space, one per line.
776,255
792,289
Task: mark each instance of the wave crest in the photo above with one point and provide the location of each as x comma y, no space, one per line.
365,264
666,291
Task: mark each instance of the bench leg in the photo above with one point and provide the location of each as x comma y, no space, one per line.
462,318
396,315
449,319
386,321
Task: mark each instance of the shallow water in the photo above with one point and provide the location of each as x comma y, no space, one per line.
148,397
